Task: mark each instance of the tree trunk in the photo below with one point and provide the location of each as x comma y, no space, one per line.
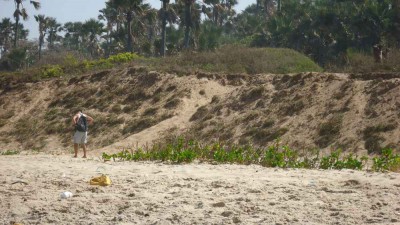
40,46
188,23
108,49
50,41
279,5
129,24
16,28
164,28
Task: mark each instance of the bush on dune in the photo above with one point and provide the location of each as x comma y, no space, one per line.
239,59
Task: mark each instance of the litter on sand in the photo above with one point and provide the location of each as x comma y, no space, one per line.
102,180
66,194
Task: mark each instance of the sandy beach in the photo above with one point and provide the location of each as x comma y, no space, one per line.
156,193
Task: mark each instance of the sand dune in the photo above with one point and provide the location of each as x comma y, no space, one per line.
155,193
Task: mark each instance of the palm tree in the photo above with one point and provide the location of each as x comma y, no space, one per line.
53,27
188,20
220,11
130,9
279,5
43,21
110,15
396,7
166,14
268,7
6,31
248,22
21,11
151,28
164,25
73,35
190,17
93,29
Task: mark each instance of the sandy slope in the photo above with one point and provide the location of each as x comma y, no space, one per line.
132,107
180,121
152,193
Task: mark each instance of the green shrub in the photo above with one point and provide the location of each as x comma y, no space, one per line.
123,57
184,151
72,64
103,64
15,59
50,71
70,61
334,161
387,161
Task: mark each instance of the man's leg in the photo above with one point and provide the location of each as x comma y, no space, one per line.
76,150
84,150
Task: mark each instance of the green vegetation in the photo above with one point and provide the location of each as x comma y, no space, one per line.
338,35
230,59
69,65
10,152
333,161
239,59
276,155
387,161
51,71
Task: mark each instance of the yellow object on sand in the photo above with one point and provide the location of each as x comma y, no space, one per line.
103,180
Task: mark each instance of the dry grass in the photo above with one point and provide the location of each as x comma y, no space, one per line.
361,62
252,95
199,114
372,137
329,130
172,103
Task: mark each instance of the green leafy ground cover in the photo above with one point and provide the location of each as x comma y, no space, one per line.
277,155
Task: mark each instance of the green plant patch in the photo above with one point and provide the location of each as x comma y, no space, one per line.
387,161
51,71
180,150
10,152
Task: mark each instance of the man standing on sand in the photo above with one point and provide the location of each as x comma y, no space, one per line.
81,122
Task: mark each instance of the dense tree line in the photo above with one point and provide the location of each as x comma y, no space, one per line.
325,30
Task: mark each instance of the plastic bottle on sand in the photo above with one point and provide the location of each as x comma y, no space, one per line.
65,195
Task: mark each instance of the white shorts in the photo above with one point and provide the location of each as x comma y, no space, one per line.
80,137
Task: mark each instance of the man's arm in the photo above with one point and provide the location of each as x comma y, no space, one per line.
75,119
89,119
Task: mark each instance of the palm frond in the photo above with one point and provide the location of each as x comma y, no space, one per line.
36,4
24,14
17,13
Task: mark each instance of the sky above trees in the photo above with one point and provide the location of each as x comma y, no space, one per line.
72,10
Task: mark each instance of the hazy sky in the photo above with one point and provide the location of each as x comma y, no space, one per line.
71,10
